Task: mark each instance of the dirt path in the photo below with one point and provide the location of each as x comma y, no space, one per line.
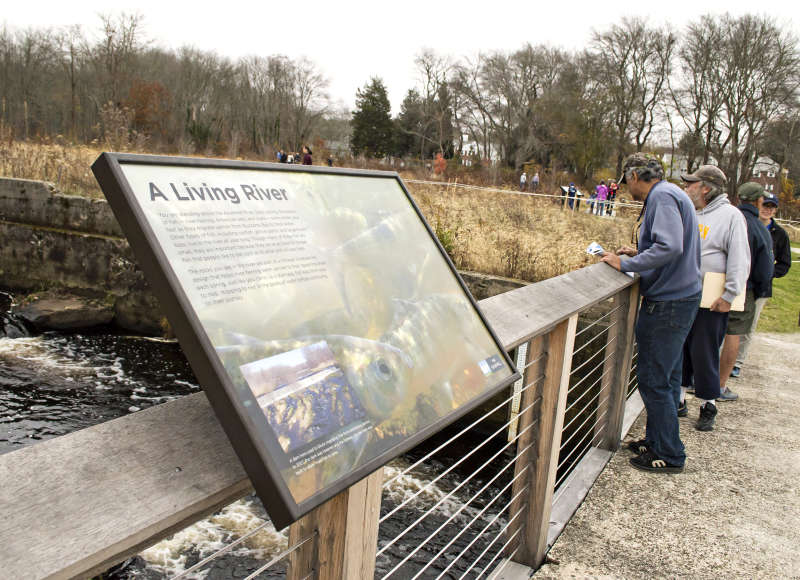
734,512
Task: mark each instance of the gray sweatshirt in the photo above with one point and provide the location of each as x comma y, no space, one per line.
723,244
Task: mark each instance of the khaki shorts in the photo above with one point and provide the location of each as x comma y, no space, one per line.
740,322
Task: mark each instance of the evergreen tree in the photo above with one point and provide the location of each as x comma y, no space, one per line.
410,137
373,130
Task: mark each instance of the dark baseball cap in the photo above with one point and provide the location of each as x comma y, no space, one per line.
751,191
708,173
771,198
639,160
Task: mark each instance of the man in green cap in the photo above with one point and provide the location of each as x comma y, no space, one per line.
668,260
759,284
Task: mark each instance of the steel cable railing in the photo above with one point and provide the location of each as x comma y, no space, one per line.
480,534
391,480
454,490
599,320
511,191
464,458
595,337
588,360
578,446
281,555
488,547
472,521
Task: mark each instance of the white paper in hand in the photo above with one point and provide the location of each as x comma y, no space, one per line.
595,249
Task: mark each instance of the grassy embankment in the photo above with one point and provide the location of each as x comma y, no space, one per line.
782,311
494,233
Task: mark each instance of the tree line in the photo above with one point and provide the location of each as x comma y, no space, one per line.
724,88
116,86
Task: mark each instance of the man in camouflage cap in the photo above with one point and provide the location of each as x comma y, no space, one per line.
759,283
668,260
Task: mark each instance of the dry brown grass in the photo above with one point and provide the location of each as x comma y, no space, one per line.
514,235
491,232
66,166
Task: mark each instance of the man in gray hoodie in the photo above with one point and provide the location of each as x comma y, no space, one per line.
723,249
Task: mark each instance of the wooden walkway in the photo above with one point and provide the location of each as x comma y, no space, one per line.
734,512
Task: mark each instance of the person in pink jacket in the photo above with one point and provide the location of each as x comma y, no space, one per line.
602,195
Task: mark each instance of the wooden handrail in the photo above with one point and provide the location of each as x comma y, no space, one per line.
74,505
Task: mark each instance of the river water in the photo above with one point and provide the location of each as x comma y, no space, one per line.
55,383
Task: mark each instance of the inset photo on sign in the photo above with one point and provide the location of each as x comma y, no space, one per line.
303,394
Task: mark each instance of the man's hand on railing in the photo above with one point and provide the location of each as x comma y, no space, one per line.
612,260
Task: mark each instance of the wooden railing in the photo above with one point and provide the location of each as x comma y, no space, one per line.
75,505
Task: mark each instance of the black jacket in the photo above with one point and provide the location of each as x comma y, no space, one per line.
761,260
781,249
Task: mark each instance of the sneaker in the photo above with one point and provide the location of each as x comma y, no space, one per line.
708,414
638,447
727,395
647,461
735,372
683,410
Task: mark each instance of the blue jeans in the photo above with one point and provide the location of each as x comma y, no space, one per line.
661,330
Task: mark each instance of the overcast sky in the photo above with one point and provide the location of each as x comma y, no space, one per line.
352,40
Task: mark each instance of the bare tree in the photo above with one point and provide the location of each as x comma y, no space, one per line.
635,62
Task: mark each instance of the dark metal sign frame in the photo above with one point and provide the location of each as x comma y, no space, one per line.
207,366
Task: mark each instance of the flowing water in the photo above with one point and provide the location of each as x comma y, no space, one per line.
55,383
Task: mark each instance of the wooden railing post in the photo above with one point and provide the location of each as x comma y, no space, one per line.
543,459
625,319
346,535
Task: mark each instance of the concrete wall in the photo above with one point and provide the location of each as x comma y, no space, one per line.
74,245
39,203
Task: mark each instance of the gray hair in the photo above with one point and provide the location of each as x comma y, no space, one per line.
715,190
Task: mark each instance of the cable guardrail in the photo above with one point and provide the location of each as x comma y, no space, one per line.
454,490
463,459
500,551
491,522
224,550
577,447
476,518
595,337
599,320
588,360
472,425
516,192
458,511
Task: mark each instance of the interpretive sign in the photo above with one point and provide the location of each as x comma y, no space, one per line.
319,312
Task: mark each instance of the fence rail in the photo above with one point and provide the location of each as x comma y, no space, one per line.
77,504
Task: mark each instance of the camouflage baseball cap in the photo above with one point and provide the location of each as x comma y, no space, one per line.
708,173
639,160
751,191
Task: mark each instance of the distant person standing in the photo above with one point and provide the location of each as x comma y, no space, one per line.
535,182
602,194
782,252
330,160
612,195
759,283
523,179
668,260
572,191
306,155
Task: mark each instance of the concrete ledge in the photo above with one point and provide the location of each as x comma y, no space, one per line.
40,203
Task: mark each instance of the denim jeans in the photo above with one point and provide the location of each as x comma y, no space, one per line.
661,330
